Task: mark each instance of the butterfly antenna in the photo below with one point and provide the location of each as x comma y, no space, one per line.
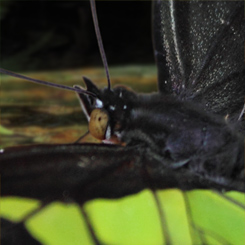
99,40
78,90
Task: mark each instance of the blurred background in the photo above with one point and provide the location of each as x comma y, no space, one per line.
38,35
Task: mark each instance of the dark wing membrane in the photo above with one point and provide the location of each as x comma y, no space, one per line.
202,44
77,172
85,172
15,233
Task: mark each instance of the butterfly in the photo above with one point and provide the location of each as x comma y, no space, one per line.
171,139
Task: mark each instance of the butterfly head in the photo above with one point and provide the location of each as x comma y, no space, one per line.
108,111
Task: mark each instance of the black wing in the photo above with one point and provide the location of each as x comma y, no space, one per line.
77,172
84,172
202,43
88,171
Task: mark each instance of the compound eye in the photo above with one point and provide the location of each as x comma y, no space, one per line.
98,123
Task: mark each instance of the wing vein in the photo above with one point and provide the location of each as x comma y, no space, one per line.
176,44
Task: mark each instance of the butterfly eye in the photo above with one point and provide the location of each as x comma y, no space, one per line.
98,123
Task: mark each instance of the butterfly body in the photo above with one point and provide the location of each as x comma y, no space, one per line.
179,138
176,132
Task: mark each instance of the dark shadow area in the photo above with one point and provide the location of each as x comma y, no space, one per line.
38,35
